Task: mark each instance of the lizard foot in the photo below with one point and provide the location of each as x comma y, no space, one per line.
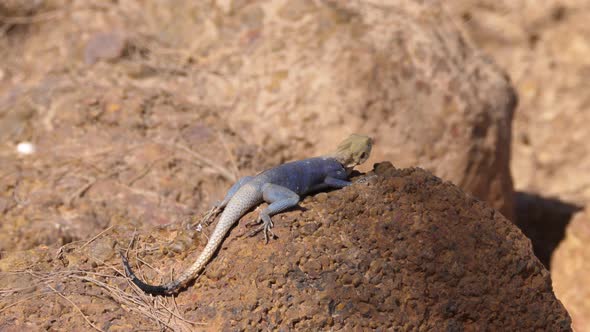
266,226
208,216
365,179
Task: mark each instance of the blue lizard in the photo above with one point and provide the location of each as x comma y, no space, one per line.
282,188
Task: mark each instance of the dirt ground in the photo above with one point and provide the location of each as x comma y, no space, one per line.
78,93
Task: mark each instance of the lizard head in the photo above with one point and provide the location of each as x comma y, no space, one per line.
353,151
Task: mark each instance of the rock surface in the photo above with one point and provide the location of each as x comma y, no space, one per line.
109,156
570,265
401,72
545,48
404,251
551,155
116,140
303,74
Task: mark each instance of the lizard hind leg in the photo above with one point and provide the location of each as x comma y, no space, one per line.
279,198
231,192
218,206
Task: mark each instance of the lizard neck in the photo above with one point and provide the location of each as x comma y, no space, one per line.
344,158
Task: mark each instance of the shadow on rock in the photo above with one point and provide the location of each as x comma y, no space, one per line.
543,220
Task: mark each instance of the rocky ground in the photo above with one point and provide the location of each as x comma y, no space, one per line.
142,115
424,256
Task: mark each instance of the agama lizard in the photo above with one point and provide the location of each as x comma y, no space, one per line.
281,187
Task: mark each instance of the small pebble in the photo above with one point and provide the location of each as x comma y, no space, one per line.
25,148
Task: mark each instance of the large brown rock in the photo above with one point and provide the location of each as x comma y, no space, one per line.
404,251
550,74
544,46
570,265
400,72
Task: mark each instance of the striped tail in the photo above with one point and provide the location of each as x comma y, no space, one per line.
244,199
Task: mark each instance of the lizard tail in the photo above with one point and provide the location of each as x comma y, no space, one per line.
246,198
166,289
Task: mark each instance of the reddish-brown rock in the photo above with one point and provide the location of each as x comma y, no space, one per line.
403,251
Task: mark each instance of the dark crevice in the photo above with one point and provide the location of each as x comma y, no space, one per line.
544,221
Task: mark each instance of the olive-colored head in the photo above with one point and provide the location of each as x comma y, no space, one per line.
354,150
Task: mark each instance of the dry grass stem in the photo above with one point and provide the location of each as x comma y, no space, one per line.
227,174
96,236
76,307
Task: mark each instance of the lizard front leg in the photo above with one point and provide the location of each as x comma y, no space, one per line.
279,199
336,183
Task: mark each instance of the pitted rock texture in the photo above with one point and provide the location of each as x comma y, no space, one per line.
401,251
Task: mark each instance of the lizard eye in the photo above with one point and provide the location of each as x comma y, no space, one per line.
363,155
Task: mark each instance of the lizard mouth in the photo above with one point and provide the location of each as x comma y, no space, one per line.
348,169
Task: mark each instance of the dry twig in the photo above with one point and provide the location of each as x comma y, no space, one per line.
144,172
231,155
96,236
19,302
227,174
76,307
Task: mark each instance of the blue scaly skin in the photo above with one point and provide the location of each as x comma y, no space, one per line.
282,188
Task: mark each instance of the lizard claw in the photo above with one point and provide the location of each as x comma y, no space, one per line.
365,179
253,223
266,226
